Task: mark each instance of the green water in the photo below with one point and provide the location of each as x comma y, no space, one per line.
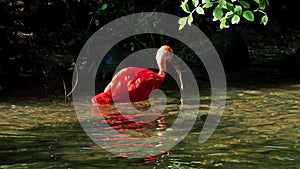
260,128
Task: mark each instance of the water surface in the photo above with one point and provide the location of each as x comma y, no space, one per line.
260,128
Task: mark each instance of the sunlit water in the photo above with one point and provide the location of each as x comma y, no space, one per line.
260,128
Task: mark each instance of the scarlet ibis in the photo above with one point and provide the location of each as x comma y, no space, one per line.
135,84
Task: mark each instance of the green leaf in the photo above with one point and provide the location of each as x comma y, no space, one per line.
264,20
222,3
103,6
228,14
195,2
190,19
257,1
235,19
97,13
208,5
218,13
182,22
205,1
248,15
200,10
244,4
262,5
267,2
229,6
97,22
238,10
233,0
223,24
181,27
185,6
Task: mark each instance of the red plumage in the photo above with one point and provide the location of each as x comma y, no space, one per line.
137,82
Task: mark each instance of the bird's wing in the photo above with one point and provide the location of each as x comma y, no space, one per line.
144,82
121,78
119,84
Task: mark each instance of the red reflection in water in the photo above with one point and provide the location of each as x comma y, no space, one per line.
147,160
153,159
133,125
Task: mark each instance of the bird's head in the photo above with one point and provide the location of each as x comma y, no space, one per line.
165,53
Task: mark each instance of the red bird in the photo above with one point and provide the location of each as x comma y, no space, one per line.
135,84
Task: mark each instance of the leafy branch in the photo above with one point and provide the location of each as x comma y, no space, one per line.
226,11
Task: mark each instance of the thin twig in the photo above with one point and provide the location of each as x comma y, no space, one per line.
64,84
76,82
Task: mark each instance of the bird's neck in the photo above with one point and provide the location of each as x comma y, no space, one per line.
162,67
162,73
161,62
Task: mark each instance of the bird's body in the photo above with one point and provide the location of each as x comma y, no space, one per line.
137,82
134,84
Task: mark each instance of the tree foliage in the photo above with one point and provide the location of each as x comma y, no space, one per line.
225,11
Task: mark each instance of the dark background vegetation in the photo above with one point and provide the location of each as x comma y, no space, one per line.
40,40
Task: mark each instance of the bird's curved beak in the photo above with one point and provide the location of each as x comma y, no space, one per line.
176,67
